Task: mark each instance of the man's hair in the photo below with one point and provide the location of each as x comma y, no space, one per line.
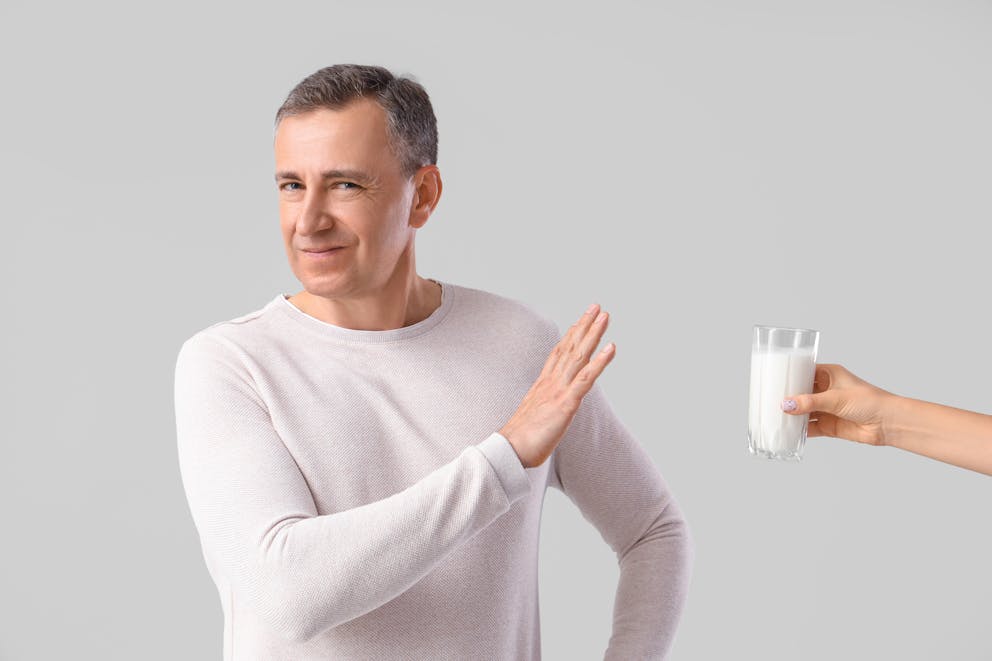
410,122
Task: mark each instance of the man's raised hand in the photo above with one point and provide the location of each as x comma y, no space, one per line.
549,406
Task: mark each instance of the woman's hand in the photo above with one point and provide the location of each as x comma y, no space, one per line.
844,406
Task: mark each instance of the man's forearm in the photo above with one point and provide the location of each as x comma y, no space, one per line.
651,592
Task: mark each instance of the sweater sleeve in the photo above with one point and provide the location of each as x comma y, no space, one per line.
603,469
302,572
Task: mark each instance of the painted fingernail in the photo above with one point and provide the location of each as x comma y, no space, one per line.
789,405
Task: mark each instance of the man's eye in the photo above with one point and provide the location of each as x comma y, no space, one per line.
347,185
289,183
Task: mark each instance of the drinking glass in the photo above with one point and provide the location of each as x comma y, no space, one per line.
783,362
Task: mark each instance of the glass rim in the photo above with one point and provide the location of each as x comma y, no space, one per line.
786,328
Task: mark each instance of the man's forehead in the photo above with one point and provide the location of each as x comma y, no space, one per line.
353,137
348,143
360,118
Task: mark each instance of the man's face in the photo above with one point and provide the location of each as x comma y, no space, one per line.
341,185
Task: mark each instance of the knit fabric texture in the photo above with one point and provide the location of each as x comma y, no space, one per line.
354,500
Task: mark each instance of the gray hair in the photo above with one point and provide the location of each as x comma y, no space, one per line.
410,122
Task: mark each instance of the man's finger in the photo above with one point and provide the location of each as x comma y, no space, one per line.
585,377
573,343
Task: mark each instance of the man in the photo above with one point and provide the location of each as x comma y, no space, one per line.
366,461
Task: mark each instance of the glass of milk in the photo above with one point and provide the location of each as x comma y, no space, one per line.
783,361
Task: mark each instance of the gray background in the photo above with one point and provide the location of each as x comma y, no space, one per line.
695,167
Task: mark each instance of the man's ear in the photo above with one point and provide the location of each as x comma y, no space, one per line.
426,194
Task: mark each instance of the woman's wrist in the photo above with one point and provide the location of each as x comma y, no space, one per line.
900,419
955,436
911,423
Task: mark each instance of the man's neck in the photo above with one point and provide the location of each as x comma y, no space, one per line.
378,312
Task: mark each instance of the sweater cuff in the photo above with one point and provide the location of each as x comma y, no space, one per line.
512,474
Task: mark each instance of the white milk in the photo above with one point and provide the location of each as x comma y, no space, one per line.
775,374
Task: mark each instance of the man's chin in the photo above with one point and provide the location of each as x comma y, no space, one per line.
315,285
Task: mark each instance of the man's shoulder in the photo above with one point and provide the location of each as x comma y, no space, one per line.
509,311
229,334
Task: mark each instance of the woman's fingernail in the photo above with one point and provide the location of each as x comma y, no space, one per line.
591,308
789,405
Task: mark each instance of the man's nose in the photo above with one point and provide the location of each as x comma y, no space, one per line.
314,212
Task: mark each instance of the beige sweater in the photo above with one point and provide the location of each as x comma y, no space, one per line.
354,501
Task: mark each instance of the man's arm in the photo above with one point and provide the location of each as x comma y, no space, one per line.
300,571
603,469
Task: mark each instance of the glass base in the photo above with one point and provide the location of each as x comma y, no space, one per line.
794,455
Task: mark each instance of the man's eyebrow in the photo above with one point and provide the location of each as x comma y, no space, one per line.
327,174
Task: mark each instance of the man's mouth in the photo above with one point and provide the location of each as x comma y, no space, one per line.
327,253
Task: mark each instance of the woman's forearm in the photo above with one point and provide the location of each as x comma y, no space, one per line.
955,436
